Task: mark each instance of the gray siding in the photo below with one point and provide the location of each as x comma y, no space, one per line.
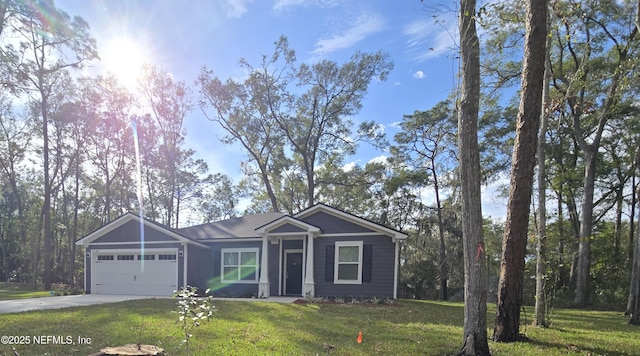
293,244
130,231
330,224
287,228
210,265
197,271
382,277
274,268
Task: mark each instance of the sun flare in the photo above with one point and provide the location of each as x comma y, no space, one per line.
124,58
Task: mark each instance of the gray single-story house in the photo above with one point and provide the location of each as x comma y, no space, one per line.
321,251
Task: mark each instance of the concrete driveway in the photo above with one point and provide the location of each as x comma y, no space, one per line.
20,305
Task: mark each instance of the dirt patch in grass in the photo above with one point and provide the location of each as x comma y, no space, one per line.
131,350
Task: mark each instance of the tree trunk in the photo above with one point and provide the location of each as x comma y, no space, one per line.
178,201
10,171
541,263
106,212
73,235
514,241
634,289
586,225
150,196
442,256
46,205
4,268
632,214
635,310
574,219
475,270
590,152
635,279
562,278
267,182
618,232
311,184
633,307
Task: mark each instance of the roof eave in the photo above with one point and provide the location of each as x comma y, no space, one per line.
87,240
264,229
394,234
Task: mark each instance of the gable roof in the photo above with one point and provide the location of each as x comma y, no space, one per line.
395,234
240,227
249,226
128,217
287,219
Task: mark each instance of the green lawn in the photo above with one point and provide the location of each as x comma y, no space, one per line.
259,328
20,291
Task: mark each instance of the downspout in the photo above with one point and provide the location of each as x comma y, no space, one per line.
396,268
87,256
185,264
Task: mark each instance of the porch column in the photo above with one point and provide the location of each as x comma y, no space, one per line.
309,282
263,285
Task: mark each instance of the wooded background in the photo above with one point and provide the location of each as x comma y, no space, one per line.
68,164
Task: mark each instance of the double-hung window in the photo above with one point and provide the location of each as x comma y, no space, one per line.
239,265
348,262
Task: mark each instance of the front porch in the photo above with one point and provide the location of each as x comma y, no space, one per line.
287,258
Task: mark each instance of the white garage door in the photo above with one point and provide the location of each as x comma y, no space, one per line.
130,273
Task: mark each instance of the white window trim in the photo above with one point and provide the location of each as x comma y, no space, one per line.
239,250
337,265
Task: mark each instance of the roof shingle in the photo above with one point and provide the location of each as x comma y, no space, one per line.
240,227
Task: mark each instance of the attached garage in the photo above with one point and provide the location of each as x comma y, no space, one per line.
321,251
132,256
130,272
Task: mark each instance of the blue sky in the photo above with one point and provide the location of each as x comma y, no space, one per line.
182,36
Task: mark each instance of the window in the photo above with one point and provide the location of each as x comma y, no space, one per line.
105,257
167,257
239,265
147,257
125,257
348,262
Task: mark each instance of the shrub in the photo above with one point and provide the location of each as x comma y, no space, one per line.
192,310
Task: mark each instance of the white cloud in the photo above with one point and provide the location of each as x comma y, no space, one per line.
235,8
349,166
431,37
418,75
283,4
428,196
363,26
380,159
494,203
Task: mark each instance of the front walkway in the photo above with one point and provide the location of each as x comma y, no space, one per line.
270,299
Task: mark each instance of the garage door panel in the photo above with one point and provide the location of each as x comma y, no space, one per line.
122,275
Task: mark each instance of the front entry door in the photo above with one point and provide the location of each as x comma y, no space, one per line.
293,273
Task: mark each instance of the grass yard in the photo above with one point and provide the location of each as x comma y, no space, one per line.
259,328
20,291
